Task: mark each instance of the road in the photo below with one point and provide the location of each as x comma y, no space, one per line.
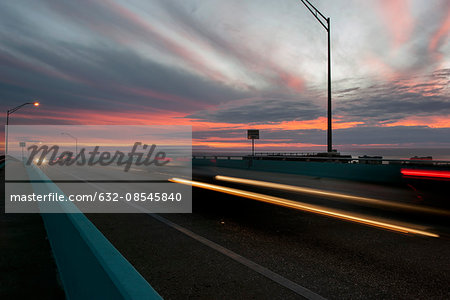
335,259
237,248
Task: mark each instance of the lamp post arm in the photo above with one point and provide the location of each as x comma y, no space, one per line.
314,11
76,141
10,111
66,133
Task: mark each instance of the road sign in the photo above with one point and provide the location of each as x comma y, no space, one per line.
21,144
253,134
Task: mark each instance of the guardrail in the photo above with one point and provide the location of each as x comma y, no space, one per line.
90,267
385,171
328,159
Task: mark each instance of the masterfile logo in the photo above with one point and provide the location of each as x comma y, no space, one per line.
43,153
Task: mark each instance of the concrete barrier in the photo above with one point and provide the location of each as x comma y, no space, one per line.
359,172
90,267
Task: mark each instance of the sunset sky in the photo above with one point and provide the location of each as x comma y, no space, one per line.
228,66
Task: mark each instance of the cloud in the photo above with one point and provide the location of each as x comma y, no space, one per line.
345,91
443,29
378,104
226,63
399,20
241,54
398,136
261,110
400,99
109,79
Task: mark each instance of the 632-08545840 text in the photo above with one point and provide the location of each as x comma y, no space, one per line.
102,197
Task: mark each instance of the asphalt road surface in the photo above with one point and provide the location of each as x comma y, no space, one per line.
332,258
237,248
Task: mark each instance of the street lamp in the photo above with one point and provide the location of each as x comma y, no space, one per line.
11,111
76,142
322,20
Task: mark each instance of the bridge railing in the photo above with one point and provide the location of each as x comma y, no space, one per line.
346,159
89,266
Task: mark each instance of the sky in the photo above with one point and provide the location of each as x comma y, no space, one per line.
227,66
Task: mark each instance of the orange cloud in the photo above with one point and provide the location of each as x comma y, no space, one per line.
215,138
89,117
246,144
163,117
79,116
319,123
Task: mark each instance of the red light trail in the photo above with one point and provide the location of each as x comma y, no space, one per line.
426,173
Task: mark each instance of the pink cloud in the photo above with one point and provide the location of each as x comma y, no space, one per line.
294,82
442,32
193,59
38,68
383,69
398,19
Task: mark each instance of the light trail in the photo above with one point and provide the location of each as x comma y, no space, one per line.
431,174
304,207
334,195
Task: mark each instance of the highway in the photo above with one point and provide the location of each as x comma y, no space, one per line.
233,247
334,259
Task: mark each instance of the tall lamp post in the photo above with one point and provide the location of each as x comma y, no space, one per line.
325,22
11,111
76,142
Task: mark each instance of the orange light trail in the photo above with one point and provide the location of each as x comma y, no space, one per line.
332,195
304,207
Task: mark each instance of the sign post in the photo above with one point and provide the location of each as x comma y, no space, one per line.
253,134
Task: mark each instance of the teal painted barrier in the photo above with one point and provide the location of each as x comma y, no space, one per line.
90,267
359,172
